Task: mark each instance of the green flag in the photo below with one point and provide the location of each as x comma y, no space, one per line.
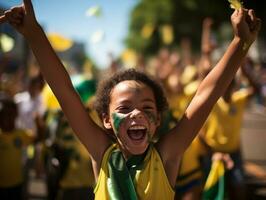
214,188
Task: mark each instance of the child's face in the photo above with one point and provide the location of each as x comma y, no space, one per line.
133,116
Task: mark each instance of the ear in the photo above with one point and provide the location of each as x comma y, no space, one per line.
107,121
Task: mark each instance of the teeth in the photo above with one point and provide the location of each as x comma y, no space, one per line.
137,128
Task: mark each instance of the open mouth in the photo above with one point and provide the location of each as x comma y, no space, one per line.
137,132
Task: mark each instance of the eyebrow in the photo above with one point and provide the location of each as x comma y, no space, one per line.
144,100
148,100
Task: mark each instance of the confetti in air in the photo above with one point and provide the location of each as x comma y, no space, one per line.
6,43
94,11
147,30
167,34
235,4
97,36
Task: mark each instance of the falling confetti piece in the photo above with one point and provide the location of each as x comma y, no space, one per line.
167,34
129,58
147,30
94,11
97,36
235,4
7,43
59,42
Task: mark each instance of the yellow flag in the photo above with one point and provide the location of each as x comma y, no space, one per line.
49,98
59,42
167,34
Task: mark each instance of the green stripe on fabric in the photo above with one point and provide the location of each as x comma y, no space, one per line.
120,185
214,188
216,192
122,173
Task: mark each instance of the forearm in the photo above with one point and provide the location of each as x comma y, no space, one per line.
253,81
51,67
205,39
211,88
216,82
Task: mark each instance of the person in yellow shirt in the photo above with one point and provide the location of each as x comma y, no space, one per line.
189,184
12,142
221,132
76,179
130,105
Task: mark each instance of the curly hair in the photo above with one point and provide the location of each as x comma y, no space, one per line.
104,89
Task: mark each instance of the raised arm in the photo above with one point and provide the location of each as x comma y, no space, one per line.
212,87
247,70
23,19
207,47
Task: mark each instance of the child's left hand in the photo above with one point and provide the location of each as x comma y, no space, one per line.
225,157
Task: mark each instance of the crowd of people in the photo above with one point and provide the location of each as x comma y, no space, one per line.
126,136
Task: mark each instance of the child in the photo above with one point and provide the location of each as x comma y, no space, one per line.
12,141
131,107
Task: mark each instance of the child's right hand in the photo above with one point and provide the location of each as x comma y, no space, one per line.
22,18
246,25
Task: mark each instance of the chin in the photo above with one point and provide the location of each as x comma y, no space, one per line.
138,150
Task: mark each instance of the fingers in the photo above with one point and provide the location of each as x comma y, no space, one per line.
28,6
228,161
15,16
254,23
239,13
257,25
252,15
251,19
2,19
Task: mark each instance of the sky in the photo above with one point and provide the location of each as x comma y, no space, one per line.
68,17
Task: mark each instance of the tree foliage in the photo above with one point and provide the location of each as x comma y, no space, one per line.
185,17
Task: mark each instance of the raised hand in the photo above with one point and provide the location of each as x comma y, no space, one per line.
22,18
245,25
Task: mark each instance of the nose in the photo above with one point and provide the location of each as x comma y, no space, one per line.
136,114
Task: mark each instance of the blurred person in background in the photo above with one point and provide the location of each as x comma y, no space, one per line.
221,132
12,142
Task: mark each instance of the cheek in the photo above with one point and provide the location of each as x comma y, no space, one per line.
117,121
151,117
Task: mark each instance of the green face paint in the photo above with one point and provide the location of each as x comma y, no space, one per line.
118,118
151,117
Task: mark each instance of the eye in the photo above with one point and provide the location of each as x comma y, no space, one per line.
123,109
148,107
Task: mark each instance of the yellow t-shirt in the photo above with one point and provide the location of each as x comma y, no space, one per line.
150,183
222,129
79,172
11,146
190,168
178,104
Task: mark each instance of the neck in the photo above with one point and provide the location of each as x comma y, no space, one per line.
127,154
